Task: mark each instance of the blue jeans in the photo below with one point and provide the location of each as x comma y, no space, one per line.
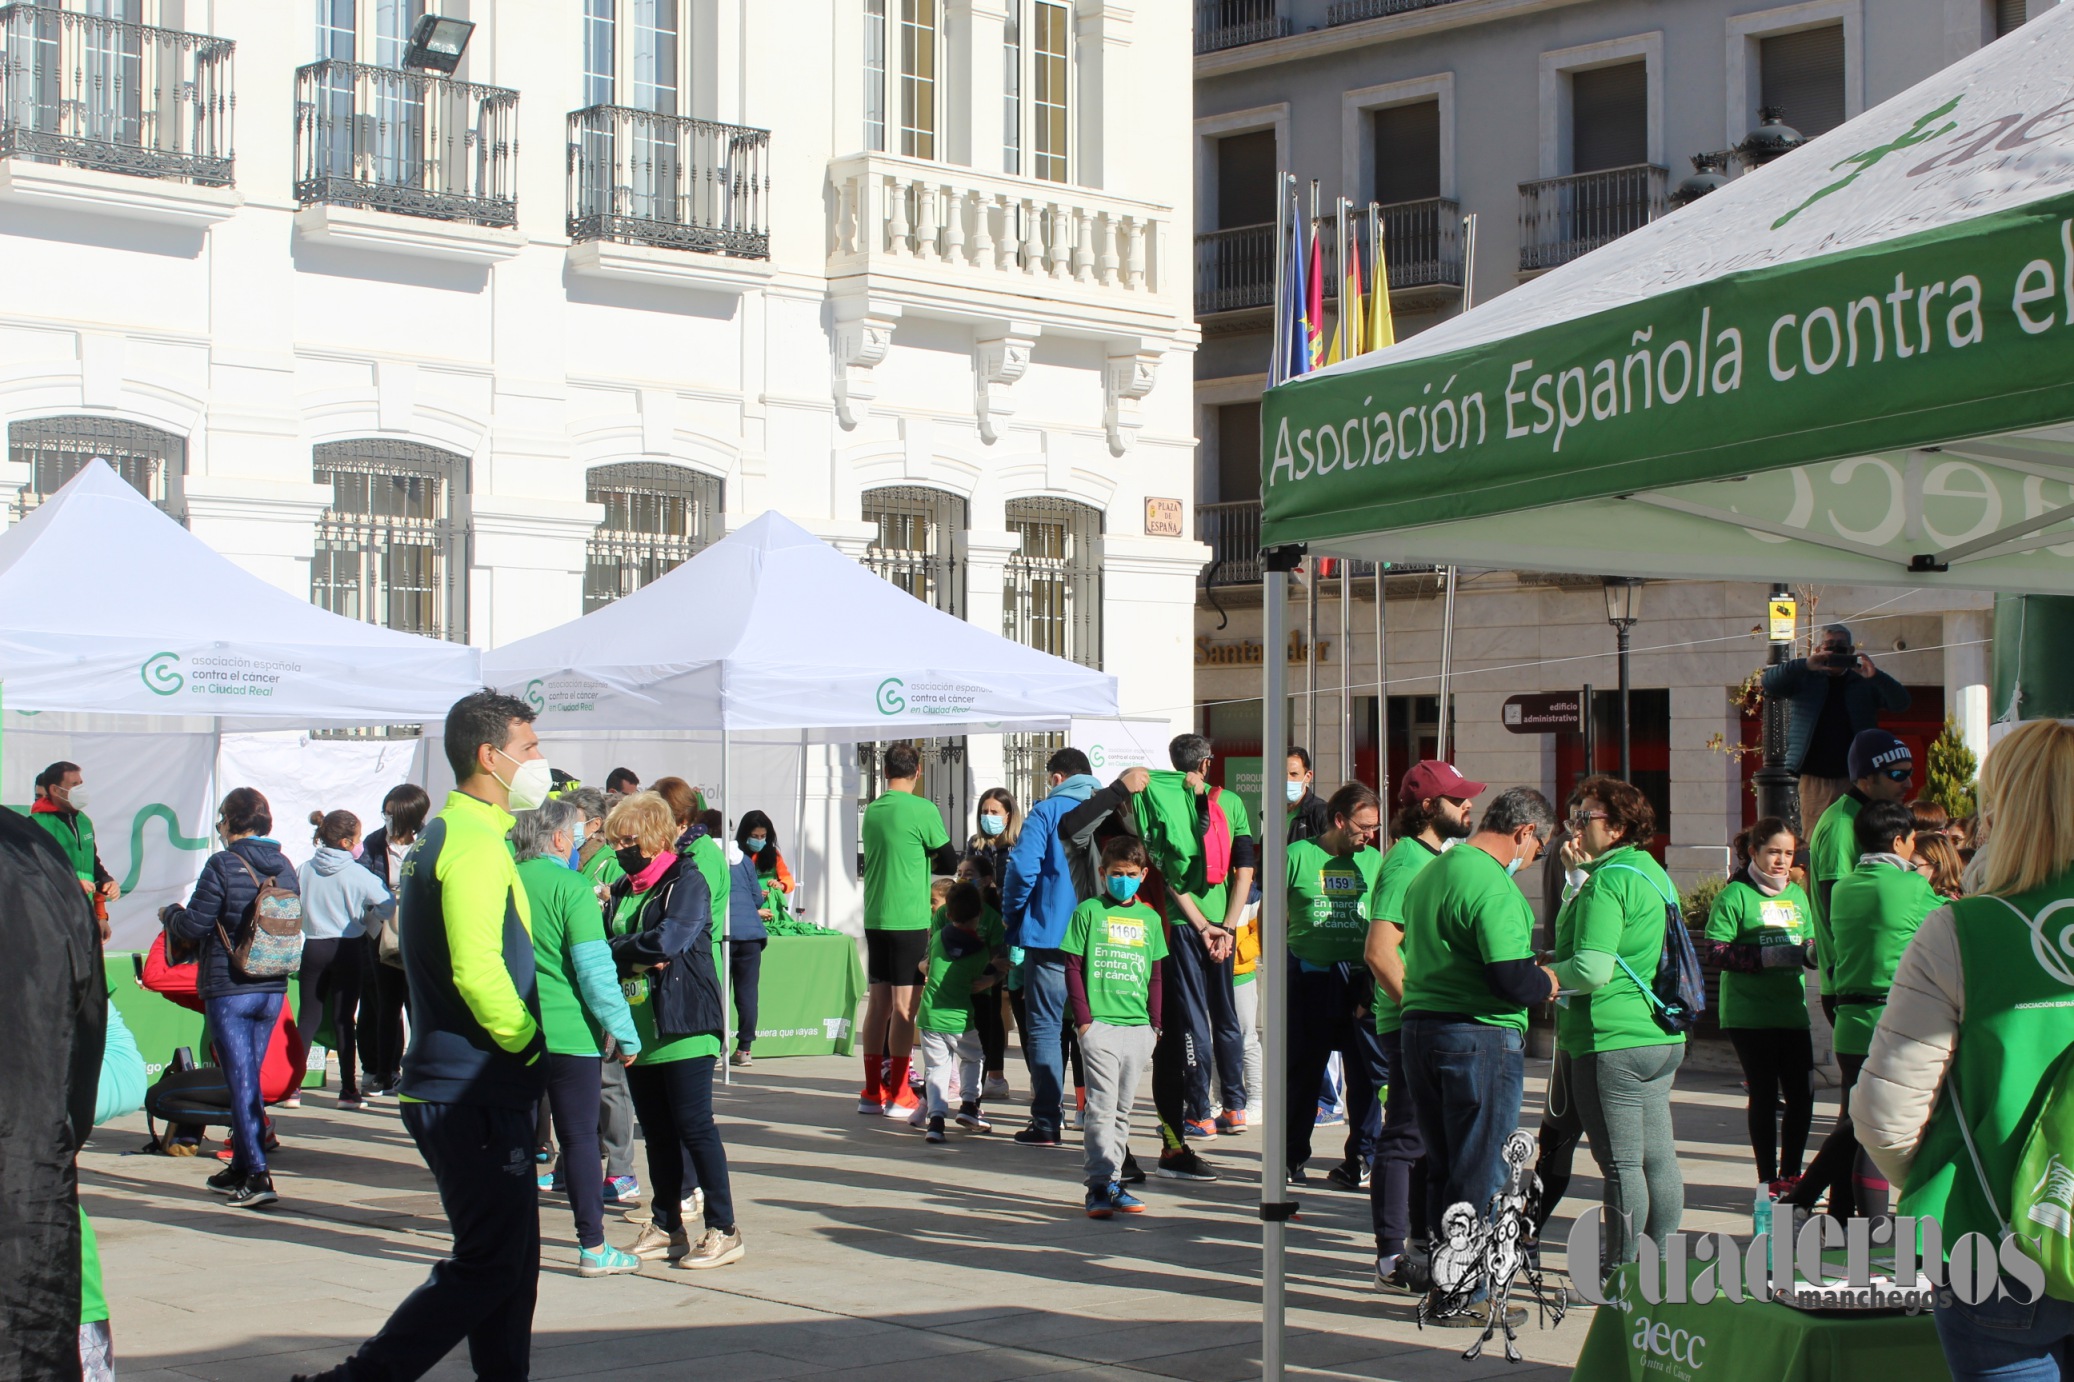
241,1024
1044,1002
2003,1341
1466,1081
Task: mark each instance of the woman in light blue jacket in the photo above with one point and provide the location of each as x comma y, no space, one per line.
338,896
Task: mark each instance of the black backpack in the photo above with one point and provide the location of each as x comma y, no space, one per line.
1678,992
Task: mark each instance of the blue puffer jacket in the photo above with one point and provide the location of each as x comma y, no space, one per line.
1038,893
225,893
672,921
744,901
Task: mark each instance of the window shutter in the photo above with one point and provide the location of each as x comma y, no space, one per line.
1609,117
2009,16
1803,77
1246,179
1407,152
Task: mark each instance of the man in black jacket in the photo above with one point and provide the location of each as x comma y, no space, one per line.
1309,816
53,1023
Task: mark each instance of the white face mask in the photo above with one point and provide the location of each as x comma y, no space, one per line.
530,785
76,798
1295,790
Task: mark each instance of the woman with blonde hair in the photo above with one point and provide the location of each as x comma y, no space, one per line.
663,935
1975,1024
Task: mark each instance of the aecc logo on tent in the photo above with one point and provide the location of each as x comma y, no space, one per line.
161,675
890,696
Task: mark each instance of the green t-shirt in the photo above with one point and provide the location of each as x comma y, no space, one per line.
1406,860
1832,854
565,914
603,868
1461,913
1328,902
1214,902
1119,943
1744,916
901,832
947,994
711,859
654,1050
1872,916
1619,911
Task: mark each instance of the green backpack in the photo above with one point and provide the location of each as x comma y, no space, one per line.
2042,1197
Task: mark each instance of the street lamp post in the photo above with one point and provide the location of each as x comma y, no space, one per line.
1623,608
1774,783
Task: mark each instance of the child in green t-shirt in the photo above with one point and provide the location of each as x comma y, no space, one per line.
1113,948
960,960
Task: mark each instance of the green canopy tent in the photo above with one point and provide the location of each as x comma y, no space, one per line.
1853,365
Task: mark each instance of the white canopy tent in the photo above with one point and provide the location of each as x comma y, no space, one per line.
1853,365
771,636
132,646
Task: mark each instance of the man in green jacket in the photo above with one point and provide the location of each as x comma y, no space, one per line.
60,808
475,1070
1881,769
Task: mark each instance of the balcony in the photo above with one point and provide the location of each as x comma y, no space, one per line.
637,178
1223,24
376,143
1422,240
953,243
1353,11
1235,269
1563,218
104,115
1232,533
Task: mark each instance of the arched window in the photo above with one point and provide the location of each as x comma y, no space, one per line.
916,549
1051,600
392,547
657,516
57,448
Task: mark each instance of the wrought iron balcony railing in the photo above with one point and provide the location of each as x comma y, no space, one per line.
1234,269
1563,218
670,181
1232,533
415,143
1349,11
1235,23
1422,240
116,97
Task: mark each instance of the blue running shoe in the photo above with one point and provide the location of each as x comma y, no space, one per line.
1123,1201
1098,1202
622,1190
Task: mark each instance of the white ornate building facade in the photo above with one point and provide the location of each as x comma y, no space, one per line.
468,354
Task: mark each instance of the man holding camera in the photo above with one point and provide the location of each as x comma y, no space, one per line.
1830,696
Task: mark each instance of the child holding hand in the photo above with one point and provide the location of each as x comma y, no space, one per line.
960,960
1113,948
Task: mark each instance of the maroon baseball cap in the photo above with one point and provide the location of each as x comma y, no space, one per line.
1433,778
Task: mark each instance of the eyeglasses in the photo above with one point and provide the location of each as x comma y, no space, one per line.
625,841
1900,774
1580,819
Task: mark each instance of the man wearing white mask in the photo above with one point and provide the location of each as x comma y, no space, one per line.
60,808
1309,816
474,1072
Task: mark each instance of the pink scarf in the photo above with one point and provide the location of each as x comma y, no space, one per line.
657,867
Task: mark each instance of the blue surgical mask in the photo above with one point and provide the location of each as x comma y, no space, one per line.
1123,886
992,825
1296,791
756,844
1514,867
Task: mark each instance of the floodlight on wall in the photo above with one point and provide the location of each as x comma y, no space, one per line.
436,43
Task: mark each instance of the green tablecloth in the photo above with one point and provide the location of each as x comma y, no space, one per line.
1632,1339
807,996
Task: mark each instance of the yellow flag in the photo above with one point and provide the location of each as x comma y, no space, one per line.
1382,331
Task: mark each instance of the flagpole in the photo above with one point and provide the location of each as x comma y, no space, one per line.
1279,360
1310,652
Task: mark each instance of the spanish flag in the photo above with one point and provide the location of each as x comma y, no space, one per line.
1314,305
1348,337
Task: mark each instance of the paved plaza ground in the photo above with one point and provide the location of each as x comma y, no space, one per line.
870,1255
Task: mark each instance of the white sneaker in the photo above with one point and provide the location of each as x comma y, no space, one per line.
995,1088
693,1206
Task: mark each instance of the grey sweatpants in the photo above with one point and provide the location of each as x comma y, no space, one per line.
1625,1097
1116,1059
616,1122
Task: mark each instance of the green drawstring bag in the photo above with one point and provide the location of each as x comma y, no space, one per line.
2044,1200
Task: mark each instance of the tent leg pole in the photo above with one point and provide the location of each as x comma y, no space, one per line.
1310,670
1274,977
1346,675
1447,668
727,998
1382,700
